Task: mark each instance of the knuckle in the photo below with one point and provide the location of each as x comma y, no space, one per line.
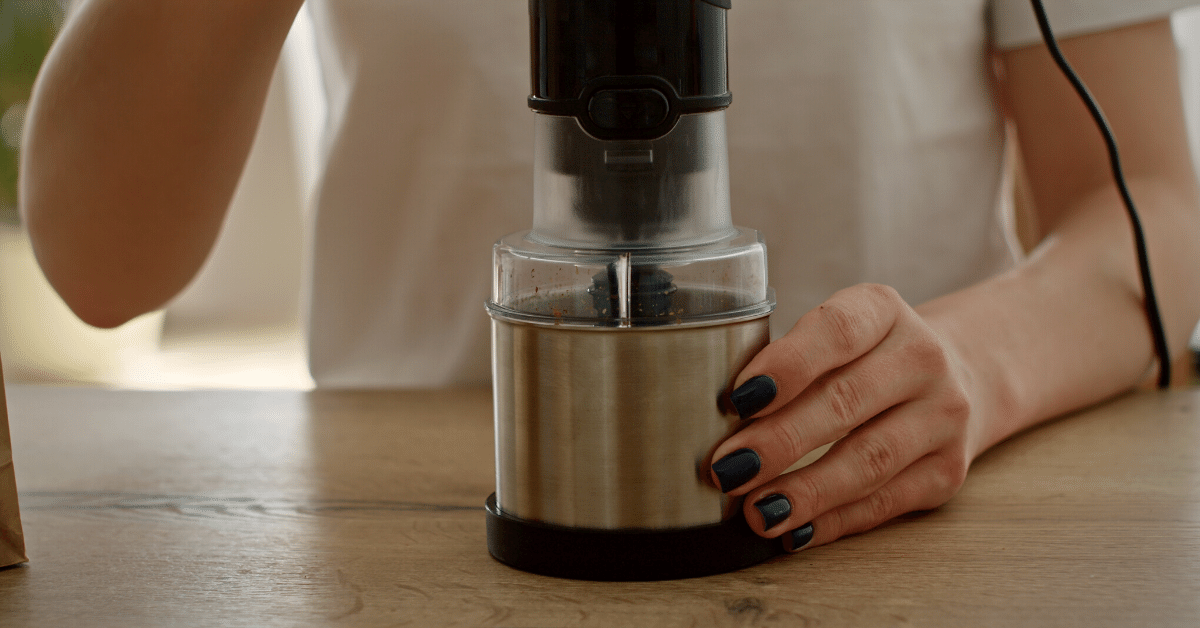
864,514
878,459
956,405
843,326
834,523
952,473
881,506
792,354
785,435
951,408
845,398
884,295
928,355
807,491
948,475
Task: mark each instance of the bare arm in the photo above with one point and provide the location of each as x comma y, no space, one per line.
913,395
1069,326
138,130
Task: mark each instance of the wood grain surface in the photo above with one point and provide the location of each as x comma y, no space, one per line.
365,509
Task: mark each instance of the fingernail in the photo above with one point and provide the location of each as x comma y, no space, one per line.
799,537
754,395
736,469
774,508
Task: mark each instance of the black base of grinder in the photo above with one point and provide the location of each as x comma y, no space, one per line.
624,555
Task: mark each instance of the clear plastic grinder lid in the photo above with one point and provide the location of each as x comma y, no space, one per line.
716,282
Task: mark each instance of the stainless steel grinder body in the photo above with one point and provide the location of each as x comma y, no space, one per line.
622,317
611,429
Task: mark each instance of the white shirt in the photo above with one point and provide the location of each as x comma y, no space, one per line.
865,144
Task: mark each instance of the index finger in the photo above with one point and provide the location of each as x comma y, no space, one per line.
845,327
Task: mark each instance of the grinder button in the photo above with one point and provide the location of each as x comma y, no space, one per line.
625,109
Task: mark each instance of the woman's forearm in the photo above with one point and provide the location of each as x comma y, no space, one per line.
138,130
1068,328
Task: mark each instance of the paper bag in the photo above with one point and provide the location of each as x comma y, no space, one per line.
12,540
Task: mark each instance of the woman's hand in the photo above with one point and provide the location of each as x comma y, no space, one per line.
913,397
865,368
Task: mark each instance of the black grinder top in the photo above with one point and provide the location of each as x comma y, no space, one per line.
627,69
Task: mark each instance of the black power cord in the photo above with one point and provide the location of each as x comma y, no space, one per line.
1139,237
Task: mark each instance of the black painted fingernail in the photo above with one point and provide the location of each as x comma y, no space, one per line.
800,537
754,395
774,508
736,469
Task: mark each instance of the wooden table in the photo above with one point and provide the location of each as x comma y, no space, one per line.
364,508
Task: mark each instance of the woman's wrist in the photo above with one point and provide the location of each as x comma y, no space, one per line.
992,381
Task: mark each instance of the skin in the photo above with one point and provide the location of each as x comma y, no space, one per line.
913,394
131,159
916,394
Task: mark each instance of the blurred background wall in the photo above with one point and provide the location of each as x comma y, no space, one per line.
239,323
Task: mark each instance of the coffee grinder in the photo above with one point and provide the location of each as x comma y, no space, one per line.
620,320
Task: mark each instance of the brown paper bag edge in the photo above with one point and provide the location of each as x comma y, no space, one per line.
12,539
